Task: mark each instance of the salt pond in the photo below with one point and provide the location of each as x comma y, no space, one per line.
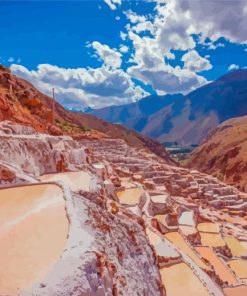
179,280
33,234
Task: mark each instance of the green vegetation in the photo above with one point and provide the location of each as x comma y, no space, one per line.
179,153
70,127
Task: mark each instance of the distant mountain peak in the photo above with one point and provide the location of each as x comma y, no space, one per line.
184,119
240,74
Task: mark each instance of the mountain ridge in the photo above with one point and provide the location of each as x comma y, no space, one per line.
179,117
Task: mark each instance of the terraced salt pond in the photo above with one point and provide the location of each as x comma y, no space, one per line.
33,234
208,227
239,267
179,241
130,196
236,291
75,180
211,239
179,279
236,247
221,270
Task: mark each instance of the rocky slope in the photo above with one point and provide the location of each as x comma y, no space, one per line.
224,153
20,102
184,119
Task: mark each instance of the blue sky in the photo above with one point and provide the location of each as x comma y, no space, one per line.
99,53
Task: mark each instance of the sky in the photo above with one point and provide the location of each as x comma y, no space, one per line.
111,52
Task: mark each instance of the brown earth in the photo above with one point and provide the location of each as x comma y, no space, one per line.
224,153
22,103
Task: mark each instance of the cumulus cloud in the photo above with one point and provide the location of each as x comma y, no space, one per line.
83,87
165,32
113,3
123,48
134,17
182,25
216,19
213,46
110,57
166,79
233,67
150,66
194,62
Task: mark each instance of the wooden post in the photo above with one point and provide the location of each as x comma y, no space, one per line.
53,106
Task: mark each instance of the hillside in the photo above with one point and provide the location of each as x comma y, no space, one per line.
22,103
184,119
224,153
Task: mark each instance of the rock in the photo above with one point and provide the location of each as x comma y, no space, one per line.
54,130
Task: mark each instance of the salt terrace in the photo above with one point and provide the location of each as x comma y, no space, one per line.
195,225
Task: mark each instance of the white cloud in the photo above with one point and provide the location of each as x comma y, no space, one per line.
134,18
216,19
83,87
113,3
166,79
123,48
213,46
123,36
110,57
168,31
233,67
11,59
194,62
174,27
150,67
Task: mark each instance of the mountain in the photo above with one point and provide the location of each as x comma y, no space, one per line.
224,153
184,119
136,115
22,103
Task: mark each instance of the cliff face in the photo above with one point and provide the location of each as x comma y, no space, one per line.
38,154
224,153
21,103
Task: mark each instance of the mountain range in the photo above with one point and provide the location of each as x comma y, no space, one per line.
185,119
